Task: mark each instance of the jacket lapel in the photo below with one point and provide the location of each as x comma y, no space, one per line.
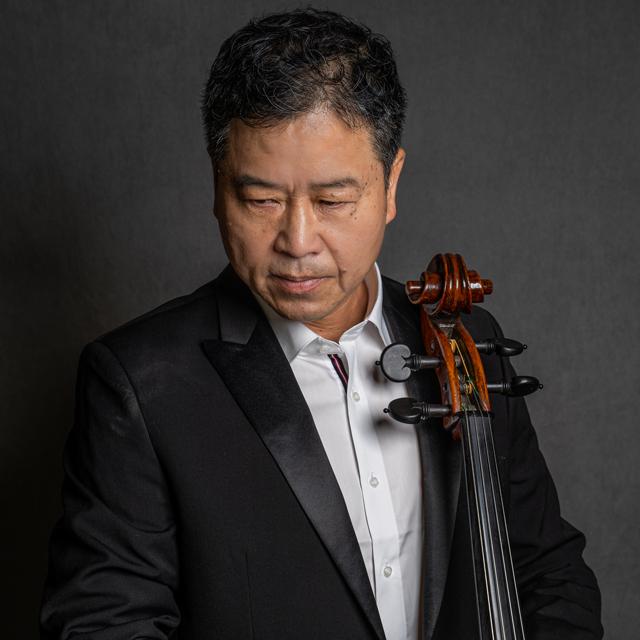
250,361
441,462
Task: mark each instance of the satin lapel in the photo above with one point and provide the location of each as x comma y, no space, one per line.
257,373
441,463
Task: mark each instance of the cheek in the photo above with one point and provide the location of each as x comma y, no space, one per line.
248,245
356,245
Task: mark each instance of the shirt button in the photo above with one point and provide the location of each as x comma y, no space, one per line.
373,481
387,571
356,396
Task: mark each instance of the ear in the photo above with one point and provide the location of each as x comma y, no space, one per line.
394,176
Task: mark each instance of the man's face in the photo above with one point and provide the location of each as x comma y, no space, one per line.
302,208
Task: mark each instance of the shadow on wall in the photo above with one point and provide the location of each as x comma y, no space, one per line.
63,286
48,267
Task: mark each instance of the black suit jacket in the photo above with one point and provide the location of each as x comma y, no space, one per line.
199,502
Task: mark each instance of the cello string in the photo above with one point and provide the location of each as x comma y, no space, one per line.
508,567
486,434
489,547
516,618
468,433
469,475
498,504
490,556
480,499
485,470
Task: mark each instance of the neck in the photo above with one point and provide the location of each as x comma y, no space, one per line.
353,310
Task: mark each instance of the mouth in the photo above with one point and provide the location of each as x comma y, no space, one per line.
297,284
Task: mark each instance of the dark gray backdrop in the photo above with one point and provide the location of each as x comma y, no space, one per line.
522,141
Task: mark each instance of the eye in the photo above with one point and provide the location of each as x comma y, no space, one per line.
262,203
332,204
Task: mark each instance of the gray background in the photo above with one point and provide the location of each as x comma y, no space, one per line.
522,141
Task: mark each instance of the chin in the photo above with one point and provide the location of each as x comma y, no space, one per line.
302,311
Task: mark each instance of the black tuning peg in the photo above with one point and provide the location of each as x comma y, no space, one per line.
501,346
398,363
518,386
412,411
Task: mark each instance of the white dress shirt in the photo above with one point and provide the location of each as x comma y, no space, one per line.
374,458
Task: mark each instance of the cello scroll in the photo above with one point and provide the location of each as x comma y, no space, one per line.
446,290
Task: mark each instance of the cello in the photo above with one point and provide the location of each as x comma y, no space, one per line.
445,290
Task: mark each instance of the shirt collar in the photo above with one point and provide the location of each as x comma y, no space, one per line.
295,337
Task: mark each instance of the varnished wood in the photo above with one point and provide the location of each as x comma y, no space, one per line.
477,369
445,291
448,285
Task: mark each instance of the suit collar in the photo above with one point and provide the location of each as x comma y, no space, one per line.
248,350
238,312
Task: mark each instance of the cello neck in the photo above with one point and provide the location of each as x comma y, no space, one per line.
498,609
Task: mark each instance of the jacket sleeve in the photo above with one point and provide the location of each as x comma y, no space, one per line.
559,594
112,557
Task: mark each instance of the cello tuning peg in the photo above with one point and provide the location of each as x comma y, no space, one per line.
504,347
412,411
518,386
398,363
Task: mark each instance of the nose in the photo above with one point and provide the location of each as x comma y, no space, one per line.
298,234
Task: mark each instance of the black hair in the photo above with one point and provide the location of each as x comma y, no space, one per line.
284,65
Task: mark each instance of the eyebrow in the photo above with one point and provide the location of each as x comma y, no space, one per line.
339,183
251,181
246,180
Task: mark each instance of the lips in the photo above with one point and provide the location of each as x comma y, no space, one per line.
298,284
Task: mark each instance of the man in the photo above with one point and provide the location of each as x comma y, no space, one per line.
231,473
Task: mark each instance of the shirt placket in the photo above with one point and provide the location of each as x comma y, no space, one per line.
378,505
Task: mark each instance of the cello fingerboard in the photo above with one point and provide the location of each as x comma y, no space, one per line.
499,615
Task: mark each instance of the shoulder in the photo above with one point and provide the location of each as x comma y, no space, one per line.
165,333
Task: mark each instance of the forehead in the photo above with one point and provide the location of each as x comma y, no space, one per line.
310,147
